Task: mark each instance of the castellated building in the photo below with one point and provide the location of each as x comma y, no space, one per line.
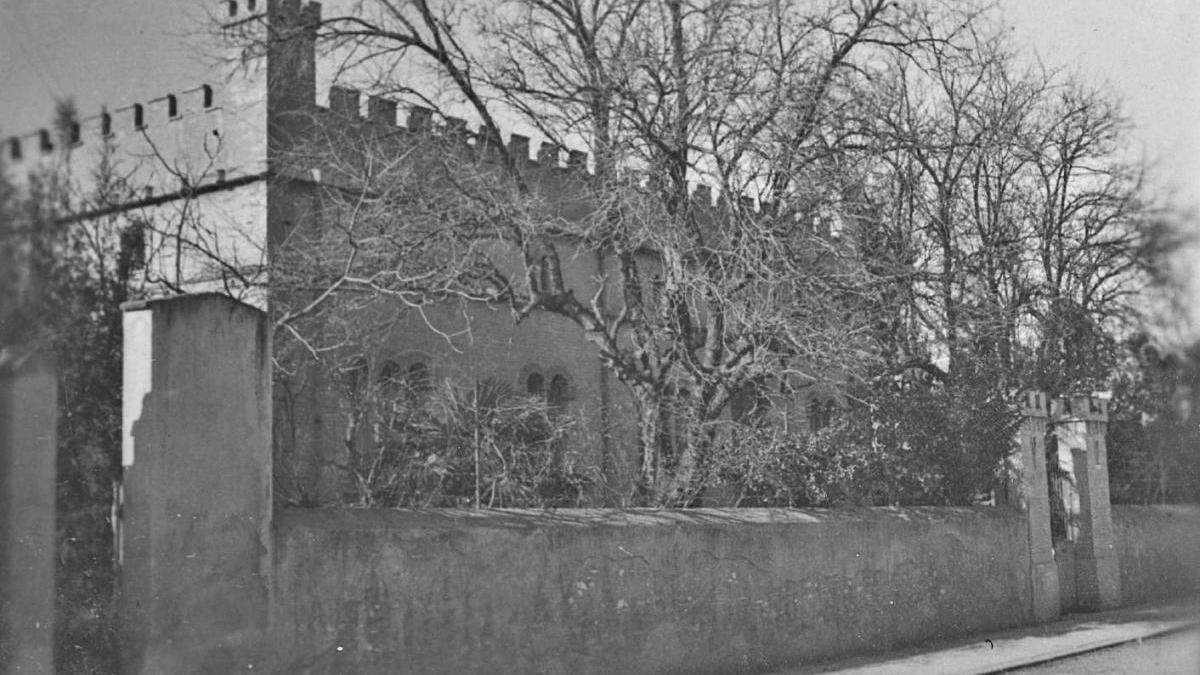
236,169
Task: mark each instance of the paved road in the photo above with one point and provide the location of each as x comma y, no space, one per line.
1177,653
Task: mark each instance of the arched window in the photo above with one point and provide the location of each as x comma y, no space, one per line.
251,5
546,276
418,379
750,404
139,119
541,275
73,133
556,395
207,94
354,379
172,106
132,256
232,5
410,384
14,148
391,380
105,123
820,414
44,141
535,384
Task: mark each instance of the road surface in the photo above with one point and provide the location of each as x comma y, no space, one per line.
1176,653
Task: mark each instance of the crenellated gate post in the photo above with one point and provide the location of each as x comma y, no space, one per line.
1097,574
1034,500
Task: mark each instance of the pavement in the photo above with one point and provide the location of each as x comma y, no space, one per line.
1028,646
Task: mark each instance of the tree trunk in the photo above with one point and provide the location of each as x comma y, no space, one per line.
649,420
680,488
688,475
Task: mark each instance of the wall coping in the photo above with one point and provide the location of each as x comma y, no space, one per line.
532,519
1168,510
181,299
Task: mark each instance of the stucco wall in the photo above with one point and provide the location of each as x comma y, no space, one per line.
635,592
193,537
1159,551
28,441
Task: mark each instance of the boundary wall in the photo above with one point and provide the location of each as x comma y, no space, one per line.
1159,551
213,581
705,591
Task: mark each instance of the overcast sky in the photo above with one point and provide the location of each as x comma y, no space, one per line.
117,51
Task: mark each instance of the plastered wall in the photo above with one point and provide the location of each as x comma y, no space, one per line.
1159,551
705,591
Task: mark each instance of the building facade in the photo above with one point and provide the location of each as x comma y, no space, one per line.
218,179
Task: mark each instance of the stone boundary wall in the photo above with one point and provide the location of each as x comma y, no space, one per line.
578,591
1159,551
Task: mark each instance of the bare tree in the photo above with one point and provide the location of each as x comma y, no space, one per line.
1011,218
693,302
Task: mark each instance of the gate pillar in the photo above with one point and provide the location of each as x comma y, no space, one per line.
1034,499
194,538
1097,574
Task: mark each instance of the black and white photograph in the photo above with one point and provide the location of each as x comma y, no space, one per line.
591,337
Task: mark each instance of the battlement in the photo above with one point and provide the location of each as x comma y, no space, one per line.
347,104
1081,408
238,20
356,108
183,125
232,13
108,126
1034,404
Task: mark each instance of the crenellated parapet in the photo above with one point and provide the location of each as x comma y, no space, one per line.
1033,403
112,127
351,108
210,128
213,130
1081,408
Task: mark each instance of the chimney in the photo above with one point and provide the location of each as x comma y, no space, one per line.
577,159
487,145
381,110
343,101
456,127
548,154
418,118
518,147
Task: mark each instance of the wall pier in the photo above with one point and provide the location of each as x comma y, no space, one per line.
1034,500
28,448
1097,571
194,536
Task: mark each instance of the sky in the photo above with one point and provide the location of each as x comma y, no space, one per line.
1147,50
117,51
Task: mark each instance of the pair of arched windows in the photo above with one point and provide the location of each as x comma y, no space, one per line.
554,391
820,414
393,381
